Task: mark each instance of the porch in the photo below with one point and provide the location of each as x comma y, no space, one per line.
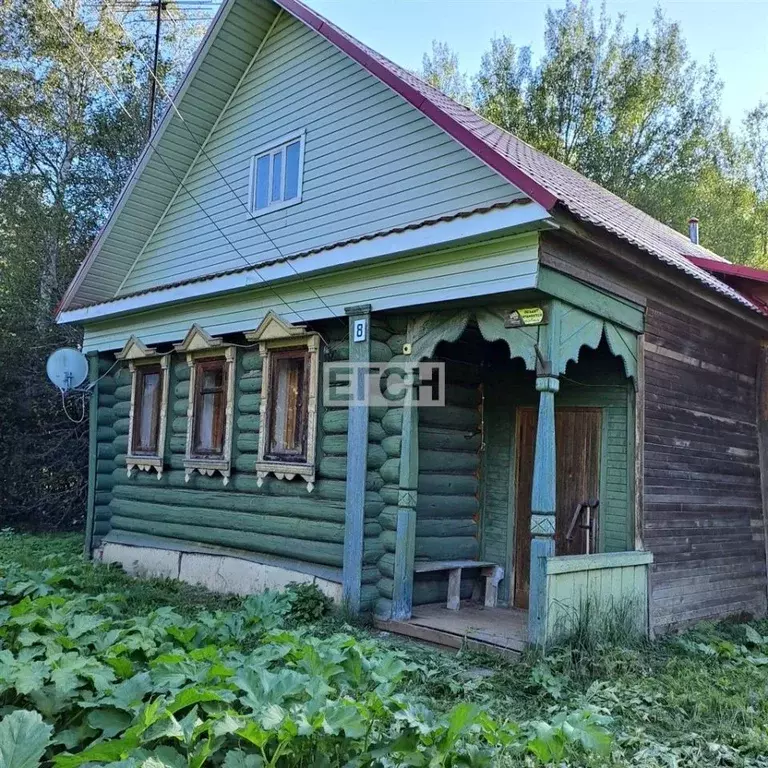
538,423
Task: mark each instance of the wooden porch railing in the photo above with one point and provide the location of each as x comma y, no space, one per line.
614,581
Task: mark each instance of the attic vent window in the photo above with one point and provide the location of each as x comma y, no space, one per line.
276,175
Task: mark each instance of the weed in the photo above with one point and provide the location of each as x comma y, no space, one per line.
308,603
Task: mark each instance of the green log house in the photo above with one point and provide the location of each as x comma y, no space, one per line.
306,202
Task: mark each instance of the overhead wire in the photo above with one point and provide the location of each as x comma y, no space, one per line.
54,12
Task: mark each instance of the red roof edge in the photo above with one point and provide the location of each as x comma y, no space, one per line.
479,148
726,268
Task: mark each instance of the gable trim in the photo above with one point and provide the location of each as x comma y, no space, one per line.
439,117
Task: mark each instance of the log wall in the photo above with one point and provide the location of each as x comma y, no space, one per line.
702,498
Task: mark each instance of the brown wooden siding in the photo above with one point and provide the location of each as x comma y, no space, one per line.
702,499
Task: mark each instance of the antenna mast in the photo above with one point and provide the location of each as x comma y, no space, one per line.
160,5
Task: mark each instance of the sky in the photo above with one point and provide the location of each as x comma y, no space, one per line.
734,31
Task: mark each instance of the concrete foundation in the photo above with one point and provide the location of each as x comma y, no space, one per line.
219,573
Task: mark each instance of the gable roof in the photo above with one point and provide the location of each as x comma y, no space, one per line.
545,180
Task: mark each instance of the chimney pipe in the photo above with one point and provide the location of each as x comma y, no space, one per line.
693,230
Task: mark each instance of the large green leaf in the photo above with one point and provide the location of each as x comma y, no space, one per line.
23,739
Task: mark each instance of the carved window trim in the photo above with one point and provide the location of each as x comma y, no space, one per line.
141,356
275,335
199,346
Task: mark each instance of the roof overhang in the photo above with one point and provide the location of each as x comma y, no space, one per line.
751,282
518,217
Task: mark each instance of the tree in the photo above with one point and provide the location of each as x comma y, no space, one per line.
441,70
73,114
637,115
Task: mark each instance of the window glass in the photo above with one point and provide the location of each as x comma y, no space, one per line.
147,411
277,177
209,408
292,153
262,182
288,405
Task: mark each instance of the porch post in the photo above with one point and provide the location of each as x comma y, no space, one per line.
357,456
543,508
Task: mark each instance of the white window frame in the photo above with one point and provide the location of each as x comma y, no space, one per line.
271,149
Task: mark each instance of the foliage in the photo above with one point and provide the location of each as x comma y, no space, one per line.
308,603
84,682
73,115
633,112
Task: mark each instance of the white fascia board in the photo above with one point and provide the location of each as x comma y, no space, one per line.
494,223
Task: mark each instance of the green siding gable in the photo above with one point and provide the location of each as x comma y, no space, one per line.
372,162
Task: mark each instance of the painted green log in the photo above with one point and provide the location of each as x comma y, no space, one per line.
390,494
122,376
335,467
121,426
122,393
249,403
463,397
380,330
119,460
372,550
105,466
105,417
392,421
106,363
250,383
370,574
181,390
323,553
275,525
105,451
248,442
368,596
105,482
105,434
431,527
441,439
395,343
180,407
336,422
178,444
334,445
252,361
179,425
390,471
451,417
106,401
121,410
441,484
387,565
436,547
391,445
103,498
382,608
448,461
249,422
289,507
120,444
377,412
376,456
246,462
439,506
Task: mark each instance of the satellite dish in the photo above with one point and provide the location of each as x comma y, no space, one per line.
67,368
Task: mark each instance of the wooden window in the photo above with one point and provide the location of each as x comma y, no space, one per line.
276,175
209,408
145,434
287,401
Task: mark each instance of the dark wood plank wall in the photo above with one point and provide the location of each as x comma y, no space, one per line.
702,499
702,513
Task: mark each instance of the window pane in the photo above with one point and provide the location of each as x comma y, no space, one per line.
146,425
209,416
262,182
287,421
292,152
277,177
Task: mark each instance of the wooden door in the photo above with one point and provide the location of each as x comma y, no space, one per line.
577,441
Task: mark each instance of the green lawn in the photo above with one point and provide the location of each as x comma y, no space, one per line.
98,668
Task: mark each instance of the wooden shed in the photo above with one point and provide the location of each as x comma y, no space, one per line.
576,414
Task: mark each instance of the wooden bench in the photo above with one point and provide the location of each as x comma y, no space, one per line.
491,572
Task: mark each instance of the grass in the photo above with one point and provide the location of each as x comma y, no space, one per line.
700,699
